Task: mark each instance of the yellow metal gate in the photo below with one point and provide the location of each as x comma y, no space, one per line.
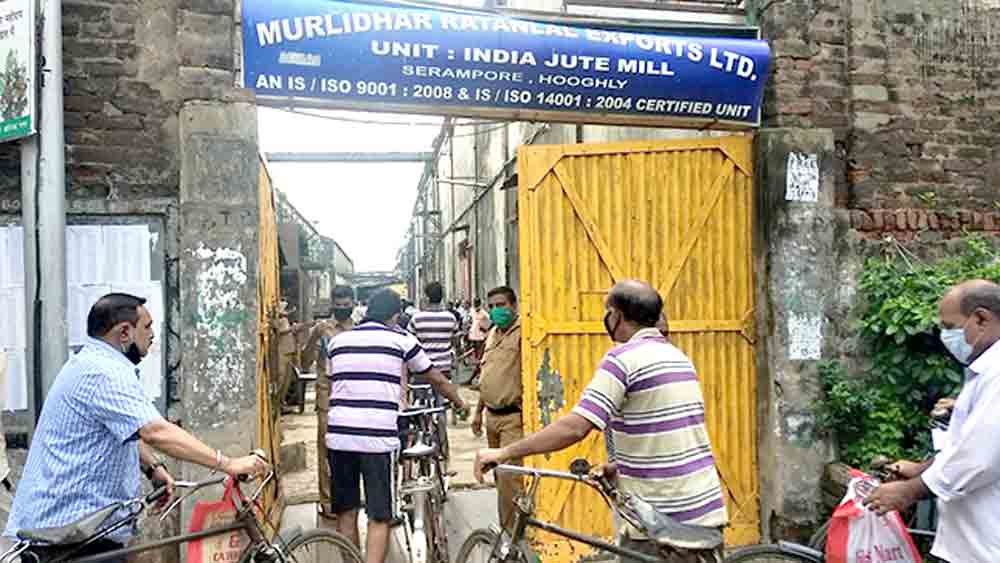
679,215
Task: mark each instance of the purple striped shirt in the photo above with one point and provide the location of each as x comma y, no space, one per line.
645,395
365,369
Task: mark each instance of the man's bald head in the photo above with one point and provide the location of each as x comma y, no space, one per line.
977,294
637,301
974,307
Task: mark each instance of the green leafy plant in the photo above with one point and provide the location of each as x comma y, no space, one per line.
883,411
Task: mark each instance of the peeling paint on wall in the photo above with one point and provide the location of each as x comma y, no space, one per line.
220,318
551,394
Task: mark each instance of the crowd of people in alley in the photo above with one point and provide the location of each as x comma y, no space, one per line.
98,434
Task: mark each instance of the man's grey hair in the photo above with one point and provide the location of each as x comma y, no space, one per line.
981,295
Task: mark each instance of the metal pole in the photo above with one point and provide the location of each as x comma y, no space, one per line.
29,223
52,200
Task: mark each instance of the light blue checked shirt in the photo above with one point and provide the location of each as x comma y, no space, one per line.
85,451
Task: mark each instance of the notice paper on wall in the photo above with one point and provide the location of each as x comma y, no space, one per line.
15,390
100,259
802,177
83,265
11,256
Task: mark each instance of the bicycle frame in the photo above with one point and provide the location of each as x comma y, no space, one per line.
417,486
245,520
525,504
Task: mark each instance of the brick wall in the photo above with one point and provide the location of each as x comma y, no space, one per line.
912,92
129,66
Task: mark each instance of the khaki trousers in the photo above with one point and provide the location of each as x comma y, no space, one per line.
501,431
322,462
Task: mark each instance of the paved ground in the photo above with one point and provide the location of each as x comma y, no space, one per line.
470,505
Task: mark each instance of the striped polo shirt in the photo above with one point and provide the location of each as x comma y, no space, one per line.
435,330
647,393
365,369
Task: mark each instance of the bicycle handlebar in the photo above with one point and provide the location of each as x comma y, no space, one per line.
156,495
420,412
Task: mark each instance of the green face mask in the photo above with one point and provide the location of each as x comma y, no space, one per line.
503,317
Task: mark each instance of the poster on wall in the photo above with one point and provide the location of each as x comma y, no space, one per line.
382,56
17,69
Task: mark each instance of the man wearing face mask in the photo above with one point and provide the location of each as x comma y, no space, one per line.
314,357
965,475
647,392
500,390
97,431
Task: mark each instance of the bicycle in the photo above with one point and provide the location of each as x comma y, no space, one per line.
422,396
497,546
423,487
814,552
64,543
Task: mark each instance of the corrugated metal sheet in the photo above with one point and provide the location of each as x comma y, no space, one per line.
677,214
268,294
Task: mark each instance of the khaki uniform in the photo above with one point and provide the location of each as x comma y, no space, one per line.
331,330
500,391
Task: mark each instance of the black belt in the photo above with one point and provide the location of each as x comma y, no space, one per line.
509,409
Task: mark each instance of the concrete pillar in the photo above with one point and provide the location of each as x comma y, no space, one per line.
798,289
218,254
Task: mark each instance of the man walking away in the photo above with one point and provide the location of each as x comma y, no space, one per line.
366,366
437,330
500,391
97,431
965,475
314,355
647,392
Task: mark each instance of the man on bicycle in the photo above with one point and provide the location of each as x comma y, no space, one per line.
97,430
647,392
965,475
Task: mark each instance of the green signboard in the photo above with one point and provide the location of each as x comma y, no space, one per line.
17,69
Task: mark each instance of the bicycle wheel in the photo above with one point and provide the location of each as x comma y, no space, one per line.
438,532
322,546
482,547
771,554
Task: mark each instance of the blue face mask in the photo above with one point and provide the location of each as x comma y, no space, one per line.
954,340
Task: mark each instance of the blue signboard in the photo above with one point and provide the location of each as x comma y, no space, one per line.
410,58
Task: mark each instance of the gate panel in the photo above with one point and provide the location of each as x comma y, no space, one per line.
677,214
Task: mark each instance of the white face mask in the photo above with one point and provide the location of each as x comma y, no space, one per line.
954,340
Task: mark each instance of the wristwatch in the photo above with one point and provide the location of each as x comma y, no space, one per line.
149,470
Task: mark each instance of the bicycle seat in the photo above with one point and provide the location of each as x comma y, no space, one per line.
419,450
74,532
664,530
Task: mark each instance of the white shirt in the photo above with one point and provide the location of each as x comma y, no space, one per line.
965,476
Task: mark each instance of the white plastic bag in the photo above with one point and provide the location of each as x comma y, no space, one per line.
859,535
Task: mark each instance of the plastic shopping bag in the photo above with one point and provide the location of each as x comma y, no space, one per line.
209,514
859,535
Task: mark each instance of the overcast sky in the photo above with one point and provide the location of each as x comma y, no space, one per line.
364,207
